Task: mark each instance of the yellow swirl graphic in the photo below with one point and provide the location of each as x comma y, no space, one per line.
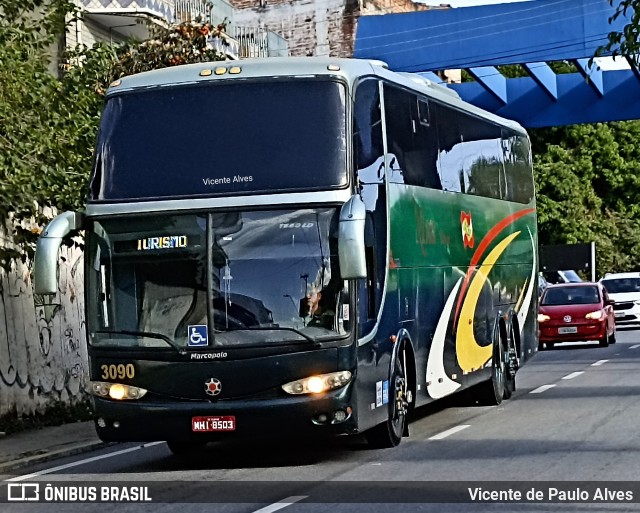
471,355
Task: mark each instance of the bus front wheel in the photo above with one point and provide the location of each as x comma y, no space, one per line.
389,433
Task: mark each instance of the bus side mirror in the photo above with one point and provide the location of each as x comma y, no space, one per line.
46,258
351,247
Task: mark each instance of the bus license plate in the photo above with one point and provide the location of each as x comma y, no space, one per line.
209,424
569,329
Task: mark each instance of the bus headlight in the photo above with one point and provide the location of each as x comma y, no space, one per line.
318,384
116,391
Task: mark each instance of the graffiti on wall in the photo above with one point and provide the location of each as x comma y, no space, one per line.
43,358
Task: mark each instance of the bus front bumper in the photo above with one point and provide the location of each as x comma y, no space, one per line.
129,421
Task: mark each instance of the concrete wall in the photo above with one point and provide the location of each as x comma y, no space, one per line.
43,358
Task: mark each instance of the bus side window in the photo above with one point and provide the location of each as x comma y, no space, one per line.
411,138
471,156
517,164
367,124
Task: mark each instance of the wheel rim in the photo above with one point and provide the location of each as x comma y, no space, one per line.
499,370
400,402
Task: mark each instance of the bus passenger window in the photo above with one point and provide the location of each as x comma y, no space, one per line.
470,154
367,125
517,165
411,138
367,142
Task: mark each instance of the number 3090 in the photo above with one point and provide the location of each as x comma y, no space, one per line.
119,371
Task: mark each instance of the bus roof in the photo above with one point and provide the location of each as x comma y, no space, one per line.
348,69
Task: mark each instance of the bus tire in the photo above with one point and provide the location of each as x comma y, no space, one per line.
182,448
491,392
389,433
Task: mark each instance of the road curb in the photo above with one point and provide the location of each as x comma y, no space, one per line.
26,459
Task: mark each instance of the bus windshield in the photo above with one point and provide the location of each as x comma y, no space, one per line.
226,279
224,138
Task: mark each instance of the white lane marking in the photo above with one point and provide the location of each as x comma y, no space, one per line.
281,504
598,363
573,375
449,432
635,346
82,462
541,389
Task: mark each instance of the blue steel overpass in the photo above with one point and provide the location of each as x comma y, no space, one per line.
529,34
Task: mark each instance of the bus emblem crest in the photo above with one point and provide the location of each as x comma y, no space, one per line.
467,230
213,386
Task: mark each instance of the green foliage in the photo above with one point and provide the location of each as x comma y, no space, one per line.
624,42
48,126
588,176
588,189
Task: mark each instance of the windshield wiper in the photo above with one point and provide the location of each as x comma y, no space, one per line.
148,334
277,328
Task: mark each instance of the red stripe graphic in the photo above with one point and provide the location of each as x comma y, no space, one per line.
484,244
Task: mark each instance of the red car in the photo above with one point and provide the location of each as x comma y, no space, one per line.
572,312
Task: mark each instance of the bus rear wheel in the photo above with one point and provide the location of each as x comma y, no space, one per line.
491,392
512,363
389,433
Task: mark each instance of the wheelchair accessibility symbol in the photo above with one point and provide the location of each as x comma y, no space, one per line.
198,335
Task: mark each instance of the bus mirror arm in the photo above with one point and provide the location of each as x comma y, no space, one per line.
46,259
351,246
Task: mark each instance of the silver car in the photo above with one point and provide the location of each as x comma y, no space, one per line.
624,289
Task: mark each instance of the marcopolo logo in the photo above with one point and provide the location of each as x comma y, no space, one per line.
209,356
213,386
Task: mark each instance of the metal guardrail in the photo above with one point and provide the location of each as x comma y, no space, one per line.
259,42
186,11
239,42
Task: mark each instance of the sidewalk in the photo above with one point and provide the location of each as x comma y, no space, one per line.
39,445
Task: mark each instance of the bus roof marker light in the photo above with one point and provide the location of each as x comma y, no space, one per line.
333,67
220,70
115,83
206,73
234,70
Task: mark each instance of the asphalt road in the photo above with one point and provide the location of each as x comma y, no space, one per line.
570,429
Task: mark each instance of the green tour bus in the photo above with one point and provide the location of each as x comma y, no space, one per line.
297,246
